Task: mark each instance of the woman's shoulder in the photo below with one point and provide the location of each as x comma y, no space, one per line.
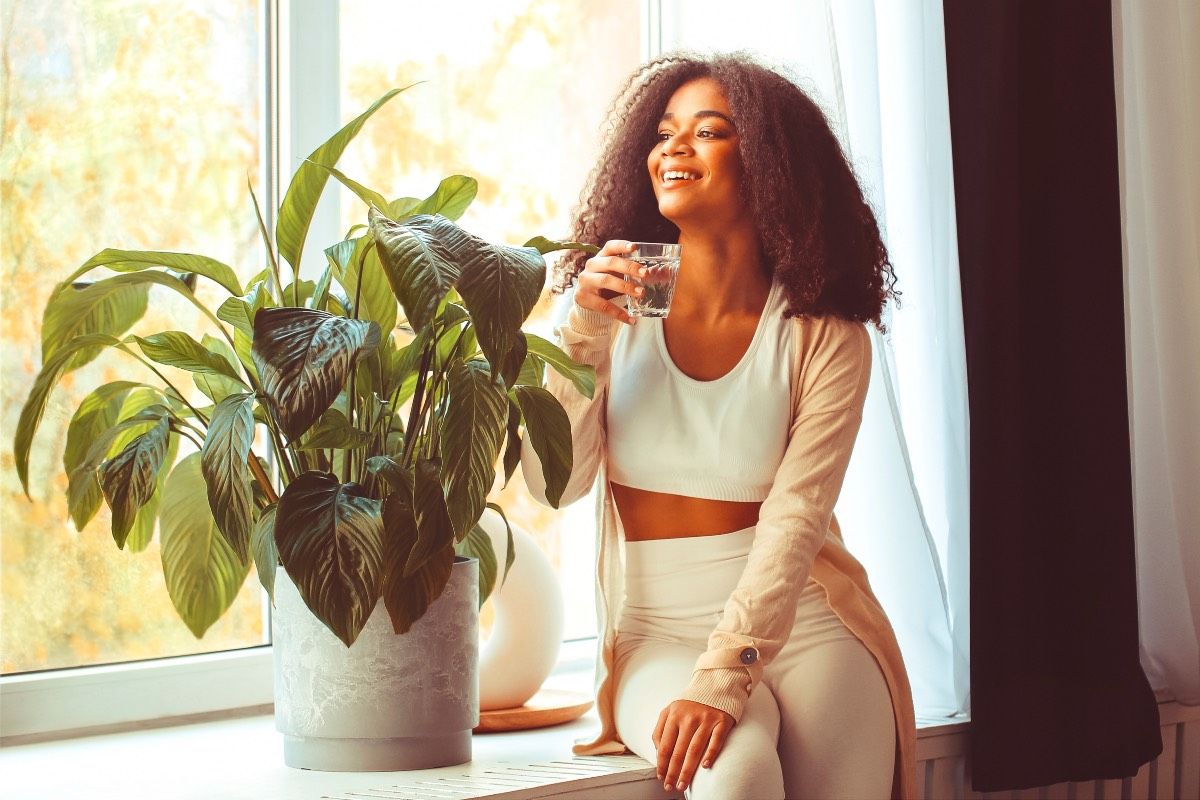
833,358
829,333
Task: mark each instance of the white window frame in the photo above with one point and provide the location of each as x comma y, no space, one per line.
300,46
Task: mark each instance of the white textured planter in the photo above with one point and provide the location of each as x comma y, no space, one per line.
387,702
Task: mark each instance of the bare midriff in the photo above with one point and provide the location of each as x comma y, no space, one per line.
658,515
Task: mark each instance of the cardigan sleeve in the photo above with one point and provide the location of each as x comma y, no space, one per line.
834,372
585,336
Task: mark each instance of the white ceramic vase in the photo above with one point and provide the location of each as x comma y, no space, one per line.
527,632
387,702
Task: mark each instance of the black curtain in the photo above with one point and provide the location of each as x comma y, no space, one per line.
1057,690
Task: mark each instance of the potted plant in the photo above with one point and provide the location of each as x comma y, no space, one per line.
362,520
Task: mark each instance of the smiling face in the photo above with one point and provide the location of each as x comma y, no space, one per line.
695,167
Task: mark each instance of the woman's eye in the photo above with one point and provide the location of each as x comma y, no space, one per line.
663,135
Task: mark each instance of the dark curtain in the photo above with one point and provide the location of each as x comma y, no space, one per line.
1057,691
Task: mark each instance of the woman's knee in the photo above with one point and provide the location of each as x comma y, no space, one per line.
748,766
838,735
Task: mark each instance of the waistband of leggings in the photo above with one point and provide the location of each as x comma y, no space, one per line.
685,550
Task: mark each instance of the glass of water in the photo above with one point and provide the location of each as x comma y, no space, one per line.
661,262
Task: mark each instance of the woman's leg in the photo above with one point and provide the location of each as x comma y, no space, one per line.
652,674
837,735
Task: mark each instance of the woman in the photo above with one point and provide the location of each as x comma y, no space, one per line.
749,658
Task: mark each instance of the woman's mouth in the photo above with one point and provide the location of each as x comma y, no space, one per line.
678,177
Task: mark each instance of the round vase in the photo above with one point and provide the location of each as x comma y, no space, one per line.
388,702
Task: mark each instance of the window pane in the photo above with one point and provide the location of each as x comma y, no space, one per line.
133,125
515,96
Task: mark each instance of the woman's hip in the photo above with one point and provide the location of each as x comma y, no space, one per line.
676,591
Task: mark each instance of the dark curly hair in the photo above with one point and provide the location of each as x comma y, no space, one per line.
816,230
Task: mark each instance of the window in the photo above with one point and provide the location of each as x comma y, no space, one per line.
135,125
128,125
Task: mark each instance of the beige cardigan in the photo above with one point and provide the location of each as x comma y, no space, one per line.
796,534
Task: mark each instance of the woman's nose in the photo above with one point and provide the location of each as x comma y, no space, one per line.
674,144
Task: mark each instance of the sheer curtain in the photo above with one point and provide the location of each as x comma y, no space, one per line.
877,68
1157,64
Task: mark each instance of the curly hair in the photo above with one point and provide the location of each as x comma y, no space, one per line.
816,229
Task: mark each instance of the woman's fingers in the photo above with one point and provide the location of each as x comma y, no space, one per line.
716,742
691,759
688,735
666,746
603,278
683,742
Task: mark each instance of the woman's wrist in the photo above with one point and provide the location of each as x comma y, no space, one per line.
589,322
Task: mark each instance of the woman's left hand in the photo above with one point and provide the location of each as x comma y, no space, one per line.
688,734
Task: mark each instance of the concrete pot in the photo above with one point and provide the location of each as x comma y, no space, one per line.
387,702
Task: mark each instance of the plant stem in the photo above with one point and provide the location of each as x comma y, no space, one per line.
261,476
414,410
262,227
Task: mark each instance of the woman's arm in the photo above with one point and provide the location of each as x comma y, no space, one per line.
584,335
794,518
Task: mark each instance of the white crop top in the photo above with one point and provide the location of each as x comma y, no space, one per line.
721,439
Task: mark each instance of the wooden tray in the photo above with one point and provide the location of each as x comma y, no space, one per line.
547,707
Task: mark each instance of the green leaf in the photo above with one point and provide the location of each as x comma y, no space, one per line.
510,555
419,266
544,245
142,532
239,311
320,298
35,404
582,375
300,201
471,432
262,545
129,478
451,199
330,540
178,349
359,262
218,387
333,431
549,431
298,294
96,413
202,572
499,285
226,471
395,476
369,196
407,596
510,369
103,307
138,260
434,531
478,544
304,357
243,345
114,428
512,446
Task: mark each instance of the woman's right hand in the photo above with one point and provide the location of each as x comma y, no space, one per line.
602,279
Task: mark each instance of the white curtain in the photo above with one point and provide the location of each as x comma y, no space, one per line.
1157,64
878,68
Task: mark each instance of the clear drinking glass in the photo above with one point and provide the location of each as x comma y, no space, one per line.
661,261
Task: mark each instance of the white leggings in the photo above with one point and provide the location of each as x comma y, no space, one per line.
820,725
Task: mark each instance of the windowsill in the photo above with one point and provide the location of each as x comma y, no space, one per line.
240,755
